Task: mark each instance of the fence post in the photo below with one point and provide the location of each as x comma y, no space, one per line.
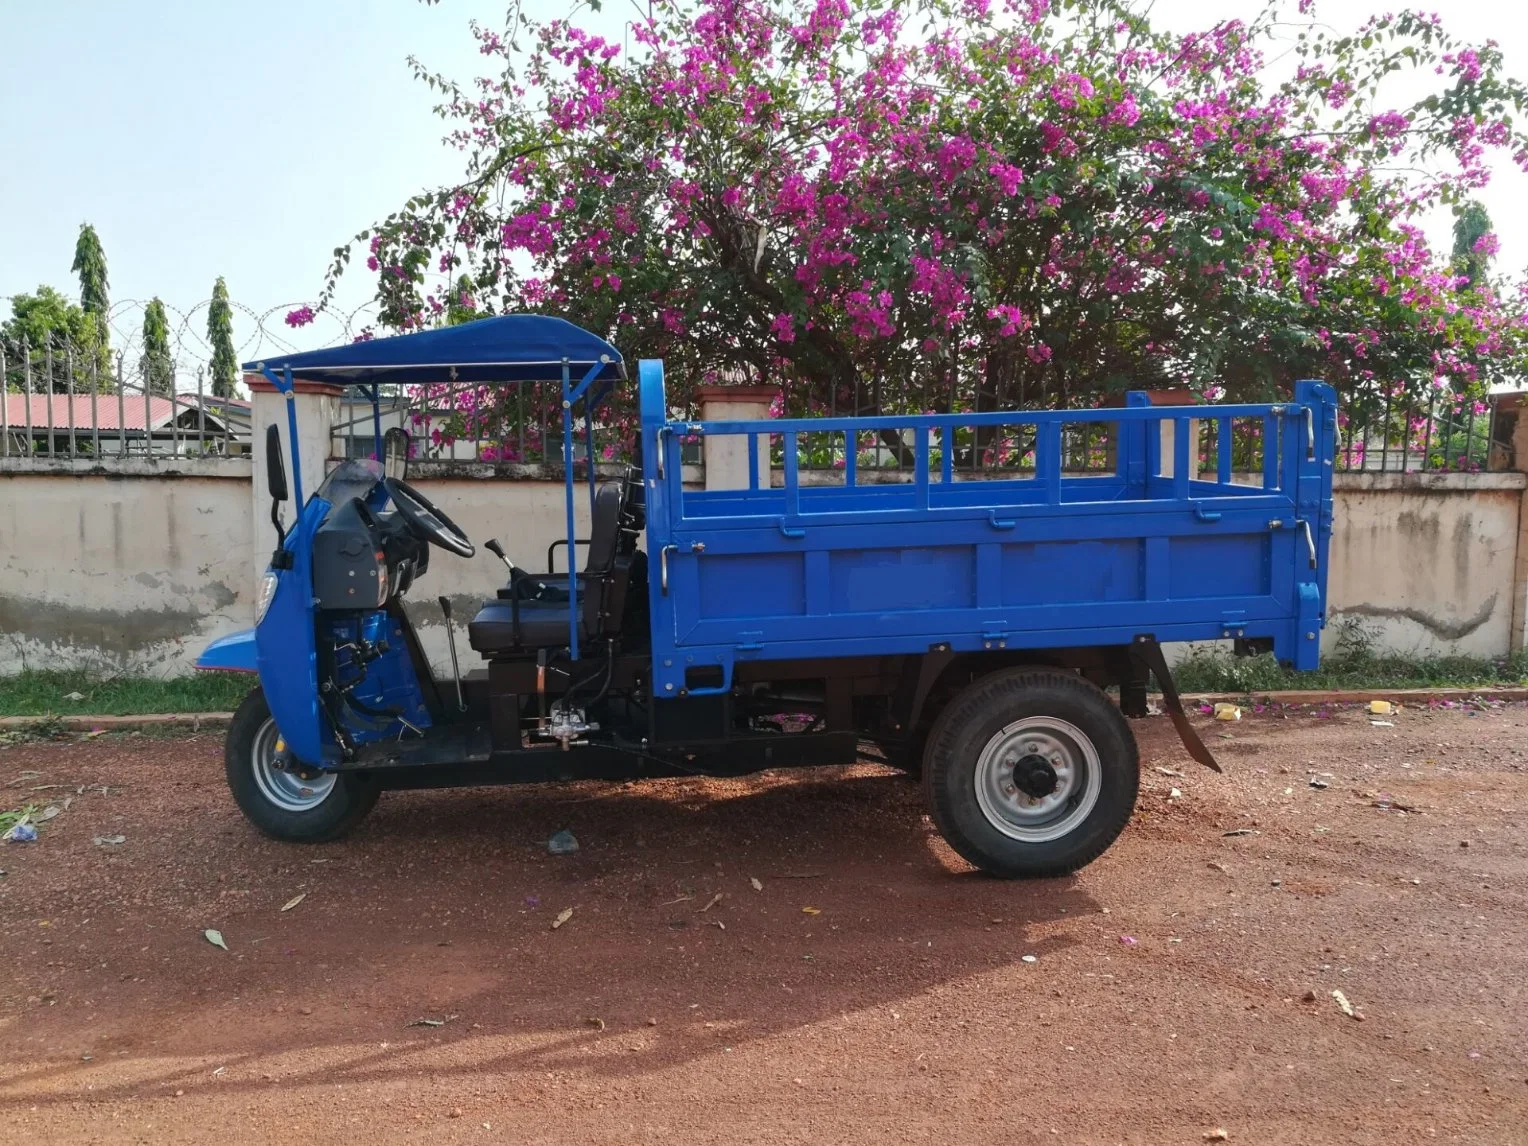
726,455
174,415
95,405
26,384
69,398
5,411
121,409
145,375
48,393
316,404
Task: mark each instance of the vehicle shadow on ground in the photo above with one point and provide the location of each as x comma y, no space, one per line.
641,979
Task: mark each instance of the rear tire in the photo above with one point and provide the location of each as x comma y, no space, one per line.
1031,773
283,805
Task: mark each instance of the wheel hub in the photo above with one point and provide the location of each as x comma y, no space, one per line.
1037,778
285,782
1034,776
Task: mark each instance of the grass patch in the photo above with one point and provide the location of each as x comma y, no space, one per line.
1216,670
49,693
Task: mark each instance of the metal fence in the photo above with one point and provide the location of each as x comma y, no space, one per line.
1445,433
517,423
60,403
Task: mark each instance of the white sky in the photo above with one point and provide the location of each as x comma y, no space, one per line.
248,140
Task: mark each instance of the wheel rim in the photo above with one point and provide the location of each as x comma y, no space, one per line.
286,790
1037,779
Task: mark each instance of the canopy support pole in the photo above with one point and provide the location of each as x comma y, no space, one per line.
376,420
568,394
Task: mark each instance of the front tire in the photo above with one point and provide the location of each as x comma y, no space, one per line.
1031,773
283,804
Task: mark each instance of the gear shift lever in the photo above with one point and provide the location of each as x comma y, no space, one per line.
517,576
493,546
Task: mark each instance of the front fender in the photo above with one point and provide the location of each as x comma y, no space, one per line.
233,653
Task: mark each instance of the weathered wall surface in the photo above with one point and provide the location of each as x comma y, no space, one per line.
525,516
141,567
135,570
1426,563
142,571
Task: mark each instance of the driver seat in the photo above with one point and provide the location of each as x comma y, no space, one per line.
517,624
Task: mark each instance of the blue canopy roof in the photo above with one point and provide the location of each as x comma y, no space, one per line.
508,348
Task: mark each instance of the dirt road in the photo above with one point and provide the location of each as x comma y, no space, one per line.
874,990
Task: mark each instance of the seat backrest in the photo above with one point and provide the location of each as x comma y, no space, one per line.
634,503
604,530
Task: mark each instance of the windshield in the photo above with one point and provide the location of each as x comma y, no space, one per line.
349,479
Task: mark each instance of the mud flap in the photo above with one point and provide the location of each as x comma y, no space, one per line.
1145,651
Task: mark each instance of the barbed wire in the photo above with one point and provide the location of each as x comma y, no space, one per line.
257,333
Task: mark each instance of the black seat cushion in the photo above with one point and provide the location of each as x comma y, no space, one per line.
542,624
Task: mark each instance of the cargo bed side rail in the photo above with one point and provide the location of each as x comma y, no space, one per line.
859,561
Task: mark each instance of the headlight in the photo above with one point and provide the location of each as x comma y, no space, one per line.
264,596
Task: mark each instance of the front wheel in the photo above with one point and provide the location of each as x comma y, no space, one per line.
297,806
1031,773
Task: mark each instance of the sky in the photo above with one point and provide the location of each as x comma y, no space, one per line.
208,137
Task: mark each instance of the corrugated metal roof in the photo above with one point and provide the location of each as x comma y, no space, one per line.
74,412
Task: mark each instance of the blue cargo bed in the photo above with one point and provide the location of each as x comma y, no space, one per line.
858,561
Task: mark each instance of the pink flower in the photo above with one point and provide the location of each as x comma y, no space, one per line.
1125,112
1011,318
300,317
784,327
1009,178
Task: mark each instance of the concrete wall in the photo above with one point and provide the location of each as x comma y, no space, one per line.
137,569
1426,563
141,571
140,567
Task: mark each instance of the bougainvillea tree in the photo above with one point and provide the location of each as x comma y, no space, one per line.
958,204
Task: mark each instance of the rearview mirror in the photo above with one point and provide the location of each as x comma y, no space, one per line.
396,445
275,466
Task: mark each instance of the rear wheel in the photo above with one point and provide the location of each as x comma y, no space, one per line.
1031,773
298,806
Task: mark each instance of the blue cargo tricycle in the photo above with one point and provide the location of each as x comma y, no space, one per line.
965,625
